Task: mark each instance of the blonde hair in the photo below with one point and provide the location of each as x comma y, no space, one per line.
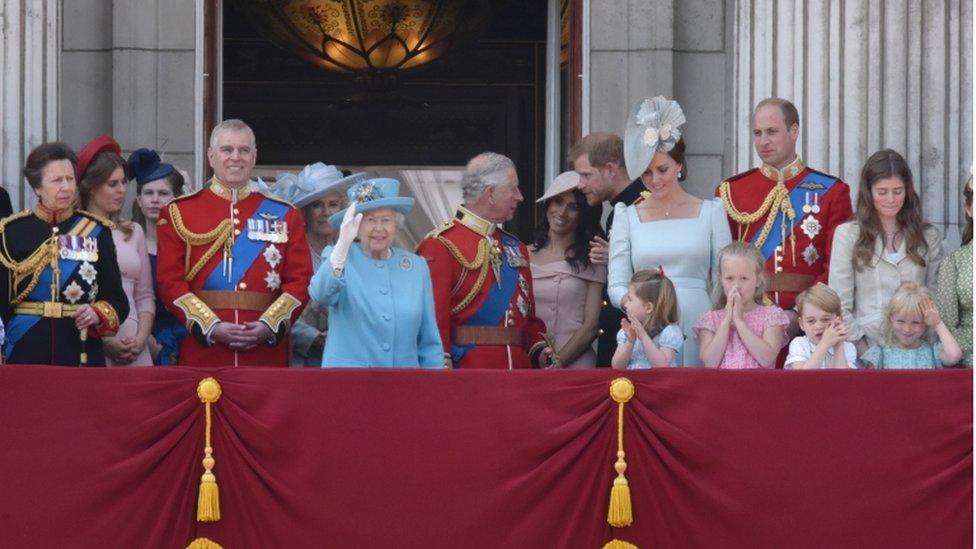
744,250
820,296
907,299
654,288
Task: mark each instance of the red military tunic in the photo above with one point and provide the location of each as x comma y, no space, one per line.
222,259
483,323
756,204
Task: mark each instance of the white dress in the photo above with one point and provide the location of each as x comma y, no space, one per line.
686,248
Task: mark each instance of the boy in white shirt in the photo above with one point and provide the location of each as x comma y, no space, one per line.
824,345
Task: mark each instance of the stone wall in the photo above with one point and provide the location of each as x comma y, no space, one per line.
641,48
29,86
865,75
127,69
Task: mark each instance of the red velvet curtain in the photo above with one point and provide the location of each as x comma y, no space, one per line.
367,458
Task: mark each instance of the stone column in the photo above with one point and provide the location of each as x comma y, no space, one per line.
865,75
631,56
29,82
131,65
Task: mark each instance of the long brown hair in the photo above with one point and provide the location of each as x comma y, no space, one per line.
654,288
95,176
881,165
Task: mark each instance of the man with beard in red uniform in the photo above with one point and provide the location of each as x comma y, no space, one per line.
787,209
482,282
233,262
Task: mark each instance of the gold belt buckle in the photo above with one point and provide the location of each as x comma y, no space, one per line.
53,309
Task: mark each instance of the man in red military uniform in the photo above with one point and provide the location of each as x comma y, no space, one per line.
788,210
233,262
482,282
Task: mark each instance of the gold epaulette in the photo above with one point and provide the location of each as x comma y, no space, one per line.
14,217
437,231
103,220
270,196
644,195
185,196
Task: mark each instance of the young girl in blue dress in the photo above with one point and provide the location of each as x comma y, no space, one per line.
649,336
910,316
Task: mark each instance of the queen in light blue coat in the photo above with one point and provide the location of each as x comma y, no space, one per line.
380,300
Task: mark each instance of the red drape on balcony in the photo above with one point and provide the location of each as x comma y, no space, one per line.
366,458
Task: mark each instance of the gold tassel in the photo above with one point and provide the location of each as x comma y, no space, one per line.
620,513
617,544
203,543
208,502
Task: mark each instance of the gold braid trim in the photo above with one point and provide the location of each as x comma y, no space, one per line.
32,266
480,262
219,236
776,201
747,218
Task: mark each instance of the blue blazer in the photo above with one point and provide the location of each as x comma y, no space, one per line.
381,312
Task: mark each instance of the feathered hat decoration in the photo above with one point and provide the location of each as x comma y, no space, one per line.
654,125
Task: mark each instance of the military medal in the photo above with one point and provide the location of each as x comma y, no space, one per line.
272,255
405,263
77,248
807,207
816,204
264,230
87,272
73,292
811,227
810,255
273,280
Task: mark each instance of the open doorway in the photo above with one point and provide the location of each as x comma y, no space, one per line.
487,92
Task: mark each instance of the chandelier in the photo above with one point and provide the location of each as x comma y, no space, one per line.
372,38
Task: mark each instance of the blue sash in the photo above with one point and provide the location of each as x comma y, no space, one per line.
817,183
19,325
244,251
499,298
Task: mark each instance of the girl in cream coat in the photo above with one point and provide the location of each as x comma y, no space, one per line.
886,244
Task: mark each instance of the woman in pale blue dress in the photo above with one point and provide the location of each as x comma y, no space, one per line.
667,227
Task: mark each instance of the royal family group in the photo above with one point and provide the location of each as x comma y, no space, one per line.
784,267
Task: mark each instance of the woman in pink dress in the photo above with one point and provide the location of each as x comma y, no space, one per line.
101,188
568,288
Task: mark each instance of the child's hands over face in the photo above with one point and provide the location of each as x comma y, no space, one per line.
736,299
930,313
636,325
629,330
730,306
835,333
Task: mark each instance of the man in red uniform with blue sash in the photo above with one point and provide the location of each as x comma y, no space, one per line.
233,263
788,210
482,283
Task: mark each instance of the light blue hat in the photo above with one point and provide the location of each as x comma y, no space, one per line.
312,183
373,194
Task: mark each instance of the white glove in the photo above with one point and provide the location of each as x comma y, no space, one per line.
348,231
